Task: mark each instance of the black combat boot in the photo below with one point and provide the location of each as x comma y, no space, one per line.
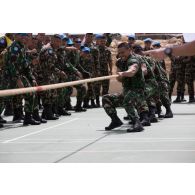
159,111
17,118
191,98
2,121
63,112
68,106
55,110
86,103
8,109
116,122
78,107
169,113
145,121
178,98
1,125
152,116
98,101
137,126
48,114
93,105
28,120
37,117
182,98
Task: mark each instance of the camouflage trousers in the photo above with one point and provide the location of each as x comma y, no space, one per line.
50,96
29,97
189,77
177,74
105,84
164,93
90,94
133,101
81,89
151,92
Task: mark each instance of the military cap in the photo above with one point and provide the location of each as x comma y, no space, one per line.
70,42
86,49
148,40
100,36
77,40
156,43
131,37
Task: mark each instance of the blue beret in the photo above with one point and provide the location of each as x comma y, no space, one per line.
22,34
70,42
148,40
63,37
156,43
131,37
78,40
86,49
100,36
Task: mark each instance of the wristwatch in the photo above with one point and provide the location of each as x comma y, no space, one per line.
168,51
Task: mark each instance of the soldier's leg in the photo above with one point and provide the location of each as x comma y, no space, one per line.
164,96
47,105
129,103
61,102
97,88
36,115
28,105
189,77
67,98
2,106
105,87
172,80
110,102
89,95
81,93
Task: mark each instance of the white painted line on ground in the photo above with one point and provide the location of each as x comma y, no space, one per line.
93,151
36,132
100,142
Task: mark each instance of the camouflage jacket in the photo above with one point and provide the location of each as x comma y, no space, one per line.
16,63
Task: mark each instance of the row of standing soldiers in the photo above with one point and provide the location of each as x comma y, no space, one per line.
182,71
27,60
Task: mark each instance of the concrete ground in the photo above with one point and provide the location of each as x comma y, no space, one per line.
81,138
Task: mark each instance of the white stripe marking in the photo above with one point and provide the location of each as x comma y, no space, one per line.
98,151
36,132
100,142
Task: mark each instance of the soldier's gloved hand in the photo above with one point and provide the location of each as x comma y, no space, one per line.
20,84
86,74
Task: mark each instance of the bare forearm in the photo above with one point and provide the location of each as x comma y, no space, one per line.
187,49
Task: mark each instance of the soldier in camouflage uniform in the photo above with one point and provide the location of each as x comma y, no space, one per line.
3,45
19,73
33,58
177,74
105,61
87,63
151,85
132,96
74,74
189,77
95,54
